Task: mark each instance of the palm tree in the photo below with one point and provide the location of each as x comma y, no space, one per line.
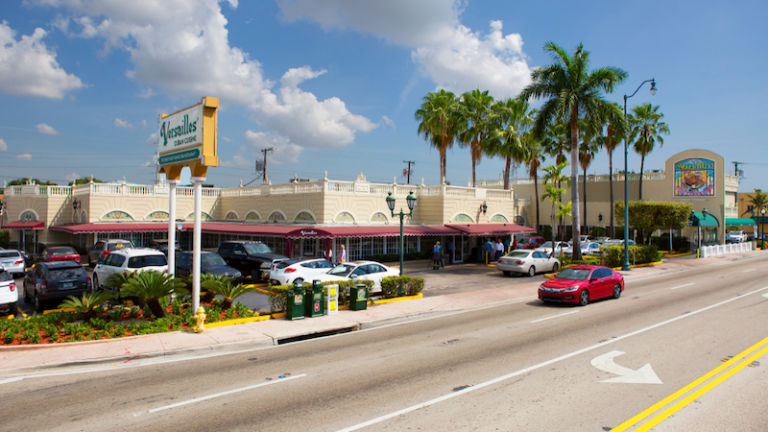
587,151
614,134
556,142
534,156
475,127
572,91
227,288
508,121
553,178
438,123
647,126
151,286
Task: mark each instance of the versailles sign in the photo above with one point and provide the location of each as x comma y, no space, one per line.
188,138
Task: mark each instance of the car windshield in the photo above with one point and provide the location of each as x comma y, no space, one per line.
63,251
257,248
118,246
573,274
66,273
8,254
213,260
147,261
518,254
5,276
341,270
547,244
284,263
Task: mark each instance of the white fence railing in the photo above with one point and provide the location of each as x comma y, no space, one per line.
717,250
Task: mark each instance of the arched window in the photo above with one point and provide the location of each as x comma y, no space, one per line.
252,216
304,217
157,215
28,216
203,216
499,218
276,217
463,218
231,216
117,215
344,217
379,218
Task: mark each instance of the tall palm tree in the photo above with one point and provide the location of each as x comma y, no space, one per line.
509,120
587,151
647,127
572,91
614,134
555,140
534,156
553,178
438,122
476,109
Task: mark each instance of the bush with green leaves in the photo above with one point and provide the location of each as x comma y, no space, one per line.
227,288
613,256
87,305
151,286
395,286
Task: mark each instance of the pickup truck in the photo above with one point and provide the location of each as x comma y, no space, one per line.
254,259
738,236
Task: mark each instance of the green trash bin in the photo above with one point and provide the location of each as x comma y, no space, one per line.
294,305
358,297
313,306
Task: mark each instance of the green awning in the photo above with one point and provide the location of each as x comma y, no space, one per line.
699,219
739,222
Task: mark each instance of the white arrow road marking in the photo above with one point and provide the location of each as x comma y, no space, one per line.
644,375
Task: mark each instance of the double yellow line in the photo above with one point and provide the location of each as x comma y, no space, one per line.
657,412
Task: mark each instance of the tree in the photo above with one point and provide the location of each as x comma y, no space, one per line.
509,120
587,151
555,141
151,286
439,122
475,127
533,158
646,126
572,91
24,180
227,288
553,179
614,134
759,200
649,216
84,180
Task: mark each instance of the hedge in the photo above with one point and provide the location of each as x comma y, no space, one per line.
613,256
397,286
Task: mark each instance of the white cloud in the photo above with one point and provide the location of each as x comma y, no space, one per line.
29,68
450,54
152,140
158,45
24,156
120,123
147,93
46,129
283,150
3,145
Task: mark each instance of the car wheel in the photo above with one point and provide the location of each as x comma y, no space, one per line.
96,286
507,273
584,298
531,271
617,291
299,280
38,304
555,267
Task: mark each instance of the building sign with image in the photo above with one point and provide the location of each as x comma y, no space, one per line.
694,177
189,135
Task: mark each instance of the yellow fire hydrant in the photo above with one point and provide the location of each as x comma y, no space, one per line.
200,320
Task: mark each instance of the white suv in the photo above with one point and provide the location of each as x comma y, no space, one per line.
129,260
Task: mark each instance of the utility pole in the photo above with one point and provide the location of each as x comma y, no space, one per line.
264,177
408,170
736,167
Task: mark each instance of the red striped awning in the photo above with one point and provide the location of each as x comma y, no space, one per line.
23,225
489,229
108,227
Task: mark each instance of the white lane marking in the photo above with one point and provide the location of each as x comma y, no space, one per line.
644,375
684,285
540,365
748,270
765,295
554,316
225,393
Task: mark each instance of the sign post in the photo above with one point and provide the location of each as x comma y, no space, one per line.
187,138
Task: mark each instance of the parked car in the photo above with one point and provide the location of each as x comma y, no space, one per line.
581,284
526,261
59,253
162,245
9,294
254,259
13,262
47,281
587,248
210,262
359,270
128,260
530,242
738,236
618,242
552,250
292,271
102,248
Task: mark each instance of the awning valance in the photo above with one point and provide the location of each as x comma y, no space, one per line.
489,229
704,220
739,222
24,225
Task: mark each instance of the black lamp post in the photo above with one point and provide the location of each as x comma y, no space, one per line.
625,265
484,207
411,200
761,229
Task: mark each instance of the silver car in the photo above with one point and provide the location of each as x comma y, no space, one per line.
13,262
526,261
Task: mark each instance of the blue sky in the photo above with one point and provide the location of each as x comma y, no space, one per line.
333,85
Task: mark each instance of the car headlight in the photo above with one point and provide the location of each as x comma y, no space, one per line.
571,289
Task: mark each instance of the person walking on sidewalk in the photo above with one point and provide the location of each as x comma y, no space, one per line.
436,256
499,249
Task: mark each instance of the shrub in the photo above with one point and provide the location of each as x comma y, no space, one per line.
227,288
613,256
395,286
151,286
86,305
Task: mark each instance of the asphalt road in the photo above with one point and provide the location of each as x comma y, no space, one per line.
521,366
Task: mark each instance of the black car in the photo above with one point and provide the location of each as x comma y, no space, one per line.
210,262
162,246
49,281
254,259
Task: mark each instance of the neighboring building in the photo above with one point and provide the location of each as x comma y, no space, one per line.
297,219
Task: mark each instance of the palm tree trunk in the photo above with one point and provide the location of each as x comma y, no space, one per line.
642,165
154,306
610,188
506,173
536,196
575,184
584,183
442,165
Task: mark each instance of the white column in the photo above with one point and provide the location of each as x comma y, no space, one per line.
172,227
198,181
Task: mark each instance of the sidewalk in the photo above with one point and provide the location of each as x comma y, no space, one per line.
271,332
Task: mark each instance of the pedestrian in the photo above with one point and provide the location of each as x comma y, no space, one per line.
436,258
442,255
488,249
452,251
329,254
499,249
514,243
342,255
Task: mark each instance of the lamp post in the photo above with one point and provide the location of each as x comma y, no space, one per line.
761,229
411,200
625,265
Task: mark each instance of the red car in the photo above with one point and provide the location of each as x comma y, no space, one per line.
59,253
582,283
531,242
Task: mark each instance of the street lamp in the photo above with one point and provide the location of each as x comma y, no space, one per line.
762,229
484,207
625,265
411,200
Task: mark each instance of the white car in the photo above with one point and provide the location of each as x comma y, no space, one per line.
360,270
547,247
125,260
587,248
526,261
9,292
290,271
738,236
13,262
